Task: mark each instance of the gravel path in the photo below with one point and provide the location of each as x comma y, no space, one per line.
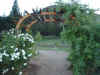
49,63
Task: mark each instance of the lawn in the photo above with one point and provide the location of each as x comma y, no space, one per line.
51,43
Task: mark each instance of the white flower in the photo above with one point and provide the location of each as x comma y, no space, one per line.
12,58
20,73
25,64
23,52
5,54
12,46
18,54
30,55
12,68
19,35
31,40
25,57
16,49
15,56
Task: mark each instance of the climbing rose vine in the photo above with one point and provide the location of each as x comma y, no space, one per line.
83,35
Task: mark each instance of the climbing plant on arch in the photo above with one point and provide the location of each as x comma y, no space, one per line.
82,33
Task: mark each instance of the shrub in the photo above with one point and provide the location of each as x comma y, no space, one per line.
15,51
38,36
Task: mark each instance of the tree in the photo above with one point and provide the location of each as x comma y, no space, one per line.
15,9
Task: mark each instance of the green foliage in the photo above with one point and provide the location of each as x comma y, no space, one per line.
6,23
38,36
46,28
15,10
82,33
15,52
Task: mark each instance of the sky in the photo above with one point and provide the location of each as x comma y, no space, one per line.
6,5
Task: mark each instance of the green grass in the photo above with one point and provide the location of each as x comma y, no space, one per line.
51,43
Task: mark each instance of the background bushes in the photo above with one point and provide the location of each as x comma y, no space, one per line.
47,29
6,23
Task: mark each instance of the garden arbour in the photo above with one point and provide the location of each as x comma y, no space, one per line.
40,16
81,32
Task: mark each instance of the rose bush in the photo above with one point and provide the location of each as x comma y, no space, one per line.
15,51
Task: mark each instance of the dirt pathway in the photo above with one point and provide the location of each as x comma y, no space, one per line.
49,63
